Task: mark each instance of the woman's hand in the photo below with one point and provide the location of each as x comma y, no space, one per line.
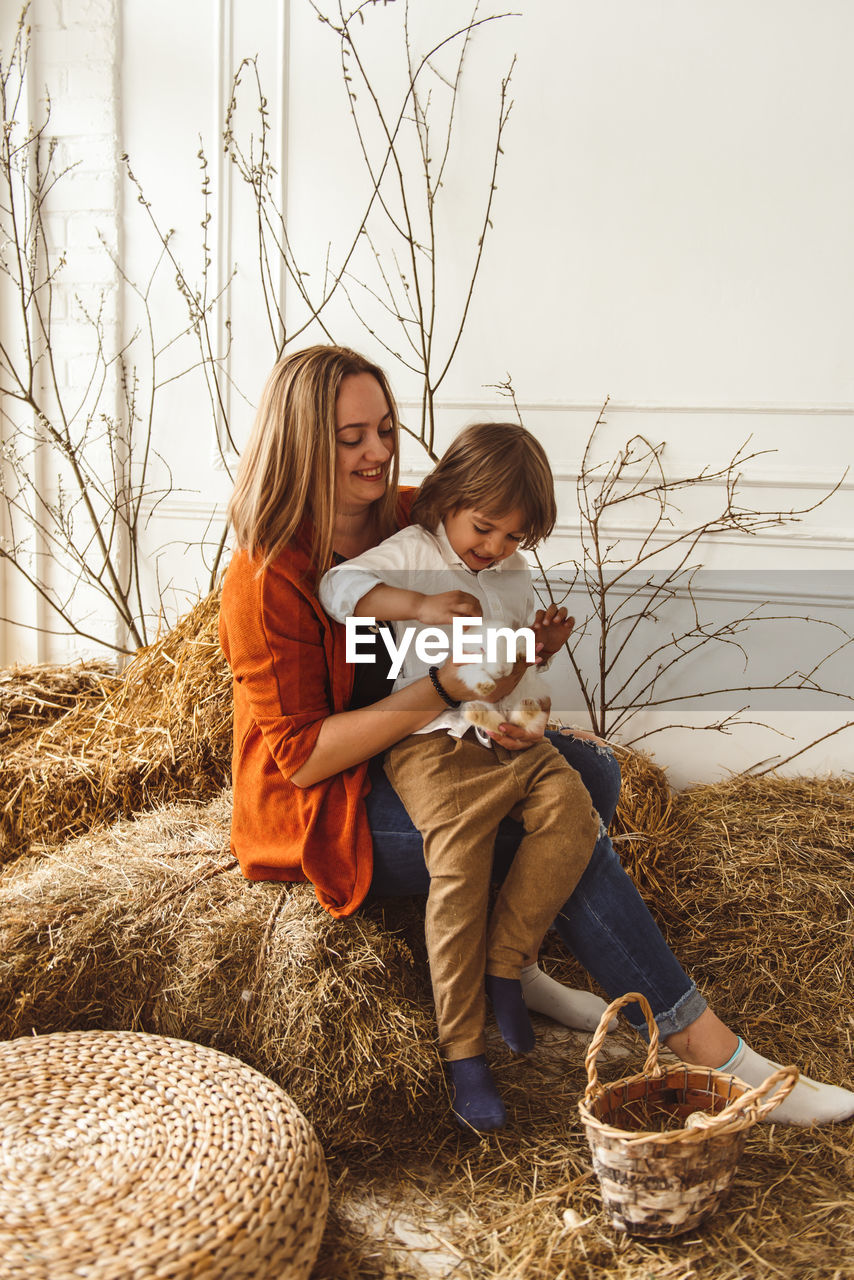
509,735
514,737
552,628
447,605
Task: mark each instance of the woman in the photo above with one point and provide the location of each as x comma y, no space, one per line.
318,483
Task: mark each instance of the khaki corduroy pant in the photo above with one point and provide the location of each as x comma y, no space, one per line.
456,792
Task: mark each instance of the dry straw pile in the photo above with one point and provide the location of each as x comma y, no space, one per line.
149,924
31,697
757,902
751,880
163,730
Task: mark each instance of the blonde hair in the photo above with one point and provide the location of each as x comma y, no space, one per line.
287,470
495,467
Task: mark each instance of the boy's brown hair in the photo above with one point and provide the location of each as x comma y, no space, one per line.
494,467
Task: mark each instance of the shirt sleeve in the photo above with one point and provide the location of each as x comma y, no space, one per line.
394,562
343,587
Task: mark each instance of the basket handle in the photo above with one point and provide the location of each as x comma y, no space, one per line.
651,1066
786,1077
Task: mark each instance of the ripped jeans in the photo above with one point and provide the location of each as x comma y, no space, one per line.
605,923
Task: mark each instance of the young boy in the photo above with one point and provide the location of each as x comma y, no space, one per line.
491,494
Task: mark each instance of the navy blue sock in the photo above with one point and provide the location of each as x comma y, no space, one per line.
474,1098
511,1013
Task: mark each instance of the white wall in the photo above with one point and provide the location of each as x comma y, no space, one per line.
671,228
73,59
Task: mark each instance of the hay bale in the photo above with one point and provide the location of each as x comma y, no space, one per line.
749,879
149,925
33,696
756,903
162,731
646,822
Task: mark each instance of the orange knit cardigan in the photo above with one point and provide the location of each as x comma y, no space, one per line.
287,659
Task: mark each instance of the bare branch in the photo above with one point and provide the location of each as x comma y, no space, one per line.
626,593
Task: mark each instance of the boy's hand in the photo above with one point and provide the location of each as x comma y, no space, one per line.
447,605
552,628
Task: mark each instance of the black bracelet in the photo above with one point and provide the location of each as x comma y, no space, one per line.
433,673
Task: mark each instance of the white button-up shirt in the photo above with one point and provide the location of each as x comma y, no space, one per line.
417,560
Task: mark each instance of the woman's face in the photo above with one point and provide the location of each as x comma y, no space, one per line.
364,442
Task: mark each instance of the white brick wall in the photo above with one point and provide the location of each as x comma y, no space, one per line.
73,59
75,47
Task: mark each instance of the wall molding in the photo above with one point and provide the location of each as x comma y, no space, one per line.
223,455
639,406
762,476
820,540
195,508
201,511
185,508
283,62
770,478
743,596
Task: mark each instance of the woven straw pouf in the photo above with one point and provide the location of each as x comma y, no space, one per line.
131,1155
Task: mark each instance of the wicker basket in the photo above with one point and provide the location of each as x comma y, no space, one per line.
666,1142
136,1155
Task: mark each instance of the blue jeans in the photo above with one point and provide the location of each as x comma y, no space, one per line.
605,923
